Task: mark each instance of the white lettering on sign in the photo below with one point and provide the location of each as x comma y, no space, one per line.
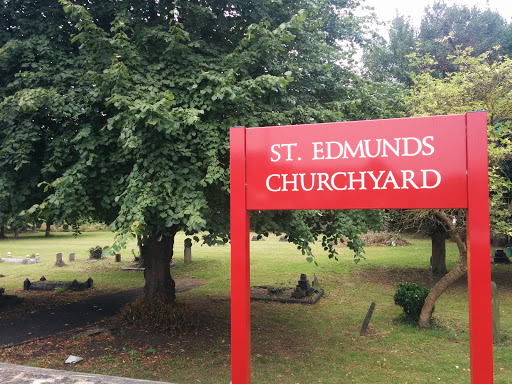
372,148
277,153
361,180
342,181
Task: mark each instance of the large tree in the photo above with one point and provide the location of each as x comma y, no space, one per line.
386,60
38,105
138,107
479,83
444,29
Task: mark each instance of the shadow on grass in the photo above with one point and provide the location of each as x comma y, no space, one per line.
39,236
391,276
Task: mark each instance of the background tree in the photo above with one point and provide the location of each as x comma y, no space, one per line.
132,116
37,104
478,83
387,60
427,223
444,29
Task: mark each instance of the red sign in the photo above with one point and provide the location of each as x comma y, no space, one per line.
399,163
424,162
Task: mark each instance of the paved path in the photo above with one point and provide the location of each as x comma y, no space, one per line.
19,374
47,322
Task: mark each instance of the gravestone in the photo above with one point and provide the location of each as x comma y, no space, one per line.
283,238
315,283
26,260
37,258
187,254
496,337
72,256
303,288
58,260
367,319
118,257
298,293
500,257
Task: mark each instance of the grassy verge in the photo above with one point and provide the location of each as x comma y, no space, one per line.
290,343
103,272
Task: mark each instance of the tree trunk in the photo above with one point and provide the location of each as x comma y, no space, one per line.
452,276
48,228
438,261
16,232
156,251
2,232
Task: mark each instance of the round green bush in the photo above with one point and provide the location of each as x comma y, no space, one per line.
96,252
411,297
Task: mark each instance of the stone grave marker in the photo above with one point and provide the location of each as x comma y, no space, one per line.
367,319
58,260
315,283
26,260
496,337
500,257
188,254
72,256
303,288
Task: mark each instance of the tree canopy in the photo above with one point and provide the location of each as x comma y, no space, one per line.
479,83
444,29
120,111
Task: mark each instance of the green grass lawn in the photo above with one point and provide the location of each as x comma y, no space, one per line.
295,343
103,272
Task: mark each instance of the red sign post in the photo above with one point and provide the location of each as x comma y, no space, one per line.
422,162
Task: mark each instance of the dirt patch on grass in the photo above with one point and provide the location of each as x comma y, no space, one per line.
282,294
381,239
115,348
422,276
393,276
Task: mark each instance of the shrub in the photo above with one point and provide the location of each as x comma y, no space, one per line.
275,290
96,252
159,316
381,239
411,298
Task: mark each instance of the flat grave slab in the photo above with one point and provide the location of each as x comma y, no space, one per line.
283,295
